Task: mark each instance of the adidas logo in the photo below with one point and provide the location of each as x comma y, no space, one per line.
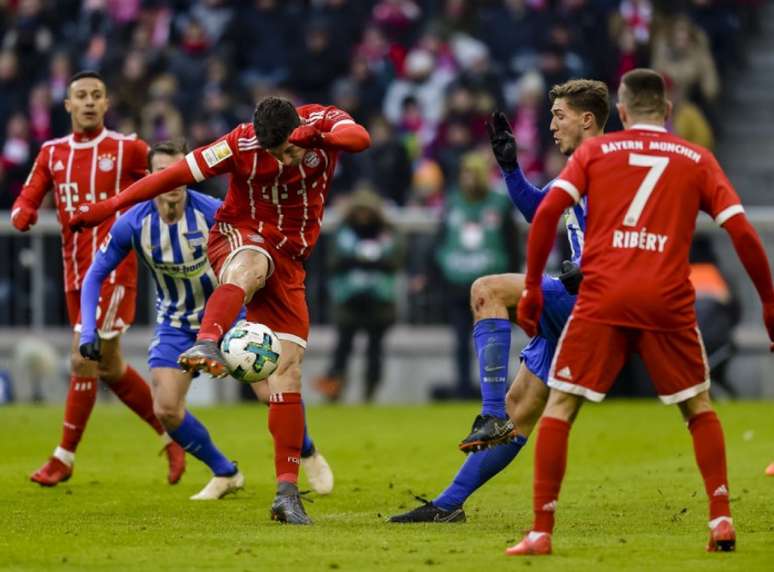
58,166
721,491
565,373
549,506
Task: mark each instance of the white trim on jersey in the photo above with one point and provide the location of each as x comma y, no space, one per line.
74,253
648,127
342,122
681,396
92,196
251,194
305,198
86,144
727,213
574,389
119,173
190,159
568,187
299,341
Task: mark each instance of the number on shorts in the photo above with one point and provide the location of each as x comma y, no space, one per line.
656,165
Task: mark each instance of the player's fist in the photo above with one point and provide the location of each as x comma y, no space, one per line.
528,312
90,346
306,136
90,215
502,140
23,216
768,319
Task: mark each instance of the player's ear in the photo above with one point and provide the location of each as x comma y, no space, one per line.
588,120
621,112
668,112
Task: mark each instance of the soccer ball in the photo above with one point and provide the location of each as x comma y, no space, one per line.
251,351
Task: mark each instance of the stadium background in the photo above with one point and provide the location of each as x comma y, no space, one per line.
422,76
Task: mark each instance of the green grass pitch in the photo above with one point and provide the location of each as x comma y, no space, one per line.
632,499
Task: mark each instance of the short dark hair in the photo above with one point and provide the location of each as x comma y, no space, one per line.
170,147
585,95
274,120
645,92
84,74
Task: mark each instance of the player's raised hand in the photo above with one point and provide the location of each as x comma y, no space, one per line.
306,136
768,319
528,312
90,215
23,216
502,140
90,346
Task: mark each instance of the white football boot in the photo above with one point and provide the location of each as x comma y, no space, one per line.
219,487
318,473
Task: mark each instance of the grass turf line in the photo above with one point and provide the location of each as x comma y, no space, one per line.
632,498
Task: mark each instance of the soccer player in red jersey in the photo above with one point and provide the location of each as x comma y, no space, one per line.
281,165
645,189
91,165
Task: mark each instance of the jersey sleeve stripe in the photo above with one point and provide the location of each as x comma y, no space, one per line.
568,187
190,159
727,213
342,122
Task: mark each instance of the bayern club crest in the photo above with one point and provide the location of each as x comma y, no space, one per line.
106,163
311,159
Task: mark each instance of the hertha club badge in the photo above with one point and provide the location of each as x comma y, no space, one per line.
311,159
106,163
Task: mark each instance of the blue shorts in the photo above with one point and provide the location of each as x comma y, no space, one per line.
168,343
557,307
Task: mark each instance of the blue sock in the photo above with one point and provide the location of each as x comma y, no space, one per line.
477,469
492,337
307,447
194,438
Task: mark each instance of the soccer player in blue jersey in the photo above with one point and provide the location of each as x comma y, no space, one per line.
170,235
579,110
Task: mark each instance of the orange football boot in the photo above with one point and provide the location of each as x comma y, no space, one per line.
534,544
52,473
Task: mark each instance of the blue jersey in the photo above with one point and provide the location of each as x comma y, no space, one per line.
527,198
176,255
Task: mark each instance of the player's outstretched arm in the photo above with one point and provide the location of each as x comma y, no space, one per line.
352,138
92,214
115,248
750,250
524,194
541,239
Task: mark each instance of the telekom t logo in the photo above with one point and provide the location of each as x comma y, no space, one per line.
68,193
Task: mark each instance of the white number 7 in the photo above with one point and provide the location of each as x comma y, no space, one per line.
657,166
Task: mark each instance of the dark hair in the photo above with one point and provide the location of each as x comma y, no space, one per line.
274,120
171,147
84,74
585,95
644,93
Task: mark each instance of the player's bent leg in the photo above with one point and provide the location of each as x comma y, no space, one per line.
710,451
286,424
81,397
490,298
242,275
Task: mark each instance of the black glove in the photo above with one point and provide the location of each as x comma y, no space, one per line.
91,350
502,140
571,277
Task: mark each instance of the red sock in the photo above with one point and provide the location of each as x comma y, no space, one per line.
80,401
222,309
286,423
711,457
136,395
550,463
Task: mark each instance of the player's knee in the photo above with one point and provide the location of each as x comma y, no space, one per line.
81,366
111,369
288,374
482,293
696,405
168,413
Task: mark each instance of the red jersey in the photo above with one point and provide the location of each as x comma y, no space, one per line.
645,188
284,204
82,171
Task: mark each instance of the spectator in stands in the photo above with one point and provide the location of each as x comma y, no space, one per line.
17,153
688,121
364,261
681,51
477,237
386,164
315,64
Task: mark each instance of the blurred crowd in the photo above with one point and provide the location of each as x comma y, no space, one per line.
421,74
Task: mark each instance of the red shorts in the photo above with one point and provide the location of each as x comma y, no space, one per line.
115,311
590,355
281,303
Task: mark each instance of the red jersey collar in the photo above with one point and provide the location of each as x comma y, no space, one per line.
86,140
648,127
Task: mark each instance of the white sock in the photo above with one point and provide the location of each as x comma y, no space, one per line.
716,521
533,535
67,457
